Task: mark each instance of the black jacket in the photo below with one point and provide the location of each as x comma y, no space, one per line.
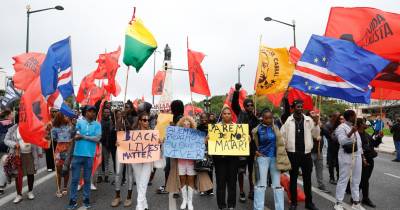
395,130
108,134
368,145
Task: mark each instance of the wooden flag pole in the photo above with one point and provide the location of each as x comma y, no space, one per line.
126,83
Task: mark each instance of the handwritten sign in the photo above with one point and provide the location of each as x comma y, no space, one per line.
184,143
139,146
228,139
163,121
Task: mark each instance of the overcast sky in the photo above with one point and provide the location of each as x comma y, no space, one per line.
227,31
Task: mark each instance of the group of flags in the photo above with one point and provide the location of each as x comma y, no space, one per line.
357,58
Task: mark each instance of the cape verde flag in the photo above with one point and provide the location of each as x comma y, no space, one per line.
338,69
56,76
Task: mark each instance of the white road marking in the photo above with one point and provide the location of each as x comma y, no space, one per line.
392,175
37,173
11,196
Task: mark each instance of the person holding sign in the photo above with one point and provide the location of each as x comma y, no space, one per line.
143,170
226,170
271,157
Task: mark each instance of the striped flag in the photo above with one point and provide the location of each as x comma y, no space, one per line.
11,95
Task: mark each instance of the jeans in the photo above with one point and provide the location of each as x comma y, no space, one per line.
78,163
118,173
268,164
345,166
142,173
397,146
105,163
303,161
318,164
3,177
226,171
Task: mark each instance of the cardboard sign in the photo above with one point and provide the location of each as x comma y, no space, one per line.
139,146
163,121
228,139
184,143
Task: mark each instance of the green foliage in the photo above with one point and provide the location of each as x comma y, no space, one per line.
330,106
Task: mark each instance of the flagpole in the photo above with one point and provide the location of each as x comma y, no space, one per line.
126,83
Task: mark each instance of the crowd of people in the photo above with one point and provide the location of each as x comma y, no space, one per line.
277,145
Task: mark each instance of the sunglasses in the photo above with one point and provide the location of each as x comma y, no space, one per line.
250,105
144,120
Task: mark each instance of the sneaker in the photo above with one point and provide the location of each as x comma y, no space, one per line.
1,192
293,207
368,202
357,207
49,170
149,184
59,194
161,190
79,187
72,205
323,189
242,197
251,196
92,187
332,181
31,196
311,206
338,206
176,195
202,193
99,179
86,204
395,160
17,199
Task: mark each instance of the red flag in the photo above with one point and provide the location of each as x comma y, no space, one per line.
228,101
158,83
294,54
385,94
27,68
86,85
190,108
34,115
295,94
111,65
198,82
275,99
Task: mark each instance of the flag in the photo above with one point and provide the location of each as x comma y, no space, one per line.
228,101
275,98
87,83
372,29
33,115
139,44
274,70
10,96
384,93
158,83
198,82
337,68
56,76
295,94
27,68
111,65
189,109
294,55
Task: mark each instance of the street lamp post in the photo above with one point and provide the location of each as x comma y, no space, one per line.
28,13
239,68
293,25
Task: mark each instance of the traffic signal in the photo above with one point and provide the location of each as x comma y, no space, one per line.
165,66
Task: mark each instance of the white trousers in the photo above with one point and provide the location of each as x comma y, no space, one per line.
142,173
345,166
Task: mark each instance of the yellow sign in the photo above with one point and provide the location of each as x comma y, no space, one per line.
274,70
163,121
228,139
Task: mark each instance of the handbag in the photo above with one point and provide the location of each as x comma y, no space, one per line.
206,164
348,147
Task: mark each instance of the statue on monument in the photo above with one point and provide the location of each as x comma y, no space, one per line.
167,53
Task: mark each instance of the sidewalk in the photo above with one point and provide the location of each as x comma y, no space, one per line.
387,145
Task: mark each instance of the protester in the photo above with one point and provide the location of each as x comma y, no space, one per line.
120,125
378,125
316,152
203,126
368,145
226,170
212,118
62,133
29,155
6,121
88,135
350,160
333,146
271,157
296,133
245,117
130,114
395,130
108,141
49,151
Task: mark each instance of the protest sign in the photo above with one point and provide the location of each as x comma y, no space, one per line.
184,143
140,146
228,139
163,121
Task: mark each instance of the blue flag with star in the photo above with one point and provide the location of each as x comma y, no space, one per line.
337,68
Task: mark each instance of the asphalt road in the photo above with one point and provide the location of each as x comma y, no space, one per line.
384,187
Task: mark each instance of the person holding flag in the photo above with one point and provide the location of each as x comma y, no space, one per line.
88,135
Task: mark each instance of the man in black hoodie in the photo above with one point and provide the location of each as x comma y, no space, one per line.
245,116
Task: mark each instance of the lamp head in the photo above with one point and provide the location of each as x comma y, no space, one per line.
268,19
58,7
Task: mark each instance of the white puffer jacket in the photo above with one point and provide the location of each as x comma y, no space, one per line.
288,131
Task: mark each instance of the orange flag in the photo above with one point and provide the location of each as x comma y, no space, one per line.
27,68
158,83
198,82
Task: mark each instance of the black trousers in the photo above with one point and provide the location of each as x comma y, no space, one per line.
303,161
226,170
333,162
50,156
365,175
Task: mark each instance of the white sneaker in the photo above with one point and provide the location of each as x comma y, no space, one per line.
338,206
31,196
17,199
79,187
357,207
92,187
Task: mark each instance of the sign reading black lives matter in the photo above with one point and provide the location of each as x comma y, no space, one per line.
228,139
140,146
